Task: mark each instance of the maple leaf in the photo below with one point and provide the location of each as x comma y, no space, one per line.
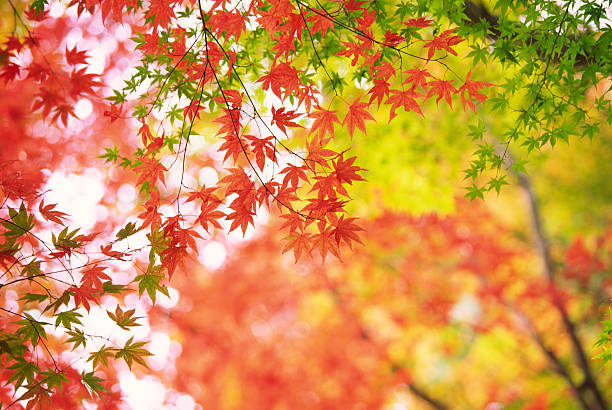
172,256
82,83
262,148
344,170
284,45
206,195
317,152
293,175
101,356
293,221
237,182
133,352
418,77
210,215
384,71
444,89
124,319
325,242
232,23
344,231
354,50
405,99
243,215
192,110
472,88
92,277
393,39
234,147
74,57
160,12
150,170
300,243
320,24
108,251
10,72
356,117
62,111
114,113
324,121
379,91
444,41
83,294
354,5
370,61
281,75
284,118
419,22
49,214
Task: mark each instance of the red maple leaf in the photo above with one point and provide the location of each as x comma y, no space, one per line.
262,148
393,39
243,215
284,118
282,75
92,277
356,117
114,113
160,11
294,174
83,294
345,171
344,231
324,121
418,77
74,57
108,251
150,170
232,23
320,23
379,91
49,214
419,22
405,99
317,152
325,241
444,89
472,88
210,215
444,41
300,243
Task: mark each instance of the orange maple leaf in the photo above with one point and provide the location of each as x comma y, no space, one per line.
356,117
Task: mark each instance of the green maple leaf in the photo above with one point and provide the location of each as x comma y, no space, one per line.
77,337
20,223
133,352
31,329
23,371
93,383
53,378
68,318
101,356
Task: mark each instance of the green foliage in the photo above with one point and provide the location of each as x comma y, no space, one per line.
133,352
93,383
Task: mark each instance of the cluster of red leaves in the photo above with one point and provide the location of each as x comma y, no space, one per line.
314,219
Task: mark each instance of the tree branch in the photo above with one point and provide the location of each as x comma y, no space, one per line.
425,397
544,250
